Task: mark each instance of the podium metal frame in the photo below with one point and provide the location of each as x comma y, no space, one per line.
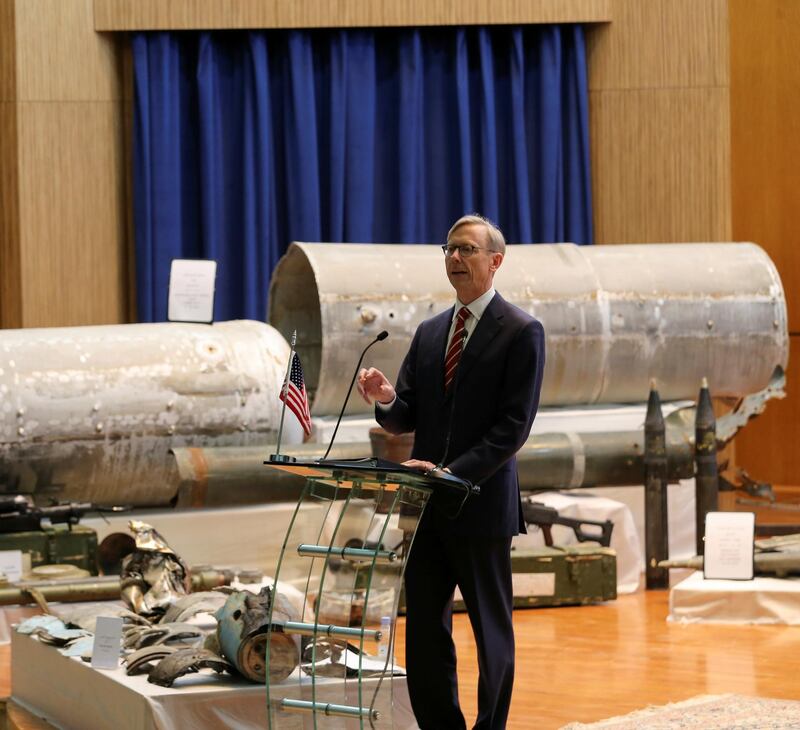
361,516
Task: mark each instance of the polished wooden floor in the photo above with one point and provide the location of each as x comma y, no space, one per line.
592,662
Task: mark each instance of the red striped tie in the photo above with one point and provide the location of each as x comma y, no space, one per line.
455,348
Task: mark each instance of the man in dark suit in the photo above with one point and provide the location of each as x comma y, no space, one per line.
469,389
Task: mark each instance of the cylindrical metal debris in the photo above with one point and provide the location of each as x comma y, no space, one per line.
97,588
615,316
656,521
217,477
91,413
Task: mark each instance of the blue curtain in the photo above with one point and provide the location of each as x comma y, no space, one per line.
246,141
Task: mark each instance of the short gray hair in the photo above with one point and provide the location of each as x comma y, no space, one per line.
497,241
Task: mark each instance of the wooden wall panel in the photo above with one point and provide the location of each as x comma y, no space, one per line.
8,46
660,165
60,56
194,14
73,236
765,158
63,253
10,276
660,122
660,44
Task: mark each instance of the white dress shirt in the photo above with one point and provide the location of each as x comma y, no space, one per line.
476,309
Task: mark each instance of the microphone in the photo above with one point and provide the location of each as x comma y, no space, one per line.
381,336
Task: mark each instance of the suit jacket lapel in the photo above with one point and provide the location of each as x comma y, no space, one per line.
486,330
439,333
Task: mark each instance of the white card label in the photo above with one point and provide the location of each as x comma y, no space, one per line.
107,642
526,585
728,547
533,584
11,564
191,290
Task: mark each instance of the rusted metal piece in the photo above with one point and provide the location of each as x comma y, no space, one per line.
184,661
706,477
92,412
655,494
242,625
614,316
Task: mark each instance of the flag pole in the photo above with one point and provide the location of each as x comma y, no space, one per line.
284,390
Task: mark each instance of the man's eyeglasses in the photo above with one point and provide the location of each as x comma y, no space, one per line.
464,251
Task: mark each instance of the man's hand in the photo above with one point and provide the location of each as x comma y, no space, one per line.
426,467
374,386
420,465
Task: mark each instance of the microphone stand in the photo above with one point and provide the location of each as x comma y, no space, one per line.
381,336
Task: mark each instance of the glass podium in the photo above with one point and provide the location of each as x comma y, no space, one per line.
330,636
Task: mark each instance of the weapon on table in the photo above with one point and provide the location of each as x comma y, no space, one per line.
544,517
18,513
779,556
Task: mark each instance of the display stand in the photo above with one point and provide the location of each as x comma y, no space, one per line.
365,513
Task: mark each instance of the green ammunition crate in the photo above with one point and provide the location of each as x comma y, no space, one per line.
558,576
77,546
561,576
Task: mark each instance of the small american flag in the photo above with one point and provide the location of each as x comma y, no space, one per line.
296,397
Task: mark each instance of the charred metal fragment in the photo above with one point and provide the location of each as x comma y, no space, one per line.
153,576
204,602
185,661
142,660
137,637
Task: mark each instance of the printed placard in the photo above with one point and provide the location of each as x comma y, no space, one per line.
728,548
107,642
191,290
533,584
11,564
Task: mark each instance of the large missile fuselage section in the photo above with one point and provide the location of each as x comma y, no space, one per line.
91,413
615,317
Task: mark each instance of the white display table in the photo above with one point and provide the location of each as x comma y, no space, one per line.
762,600
70,694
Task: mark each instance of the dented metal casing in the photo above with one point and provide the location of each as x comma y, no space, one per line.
92,412
615,316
